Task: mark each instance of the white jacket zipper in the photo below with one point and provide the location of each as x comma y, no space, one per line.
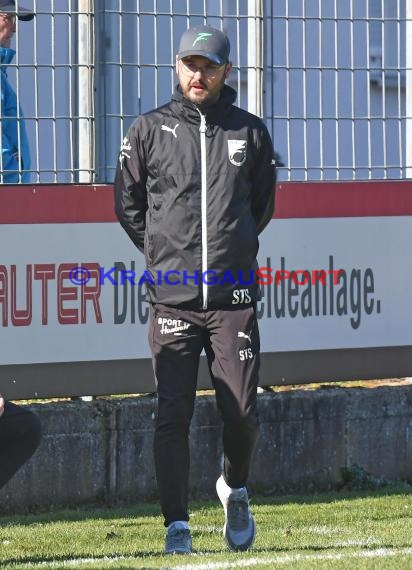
202,130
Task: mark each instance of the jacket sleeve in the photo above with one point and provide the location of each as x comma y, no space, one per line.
10,163
130,194
264,180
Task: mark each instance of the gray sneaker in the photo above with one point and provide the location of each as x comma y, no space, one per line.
178,540
240,529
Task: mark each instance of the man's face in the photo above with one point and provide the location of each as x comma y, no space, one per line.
201,80
7,28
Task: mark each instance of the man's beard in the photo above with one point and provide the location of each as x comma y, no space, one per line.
208,101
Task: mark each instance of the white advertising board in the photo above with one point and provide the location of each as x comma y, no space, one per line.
45,317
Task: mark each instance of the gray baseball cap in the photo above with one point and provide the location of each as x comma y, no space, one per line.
207,42
10,7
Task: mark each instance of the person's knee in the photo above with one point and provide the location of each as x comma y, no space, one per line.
239,417
174,414
173,425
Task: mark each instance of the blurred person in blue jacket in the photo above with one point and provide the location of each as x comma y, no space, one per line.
15,159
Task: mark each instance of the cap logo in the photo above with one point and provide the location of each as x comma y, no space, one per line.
201,36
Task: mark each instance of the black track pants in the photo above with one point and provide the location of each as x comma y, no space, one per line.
230,338
20,435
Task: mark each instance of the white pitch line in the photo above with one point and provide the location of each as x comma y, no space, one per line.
245,563
71,562
283,559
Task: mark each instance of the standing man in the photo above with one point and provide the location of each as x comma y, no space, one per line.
15,158
194,187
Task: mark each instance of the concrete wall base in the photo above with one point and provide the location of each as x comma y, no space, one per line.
100,452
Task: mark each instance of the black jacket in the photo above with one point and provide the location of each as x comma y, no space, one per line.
193,191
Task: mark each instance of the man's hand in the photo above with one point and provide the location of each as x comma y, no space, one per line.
1,405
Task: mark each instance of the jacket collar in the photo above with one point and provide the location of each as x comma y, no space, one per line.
6,55
213,112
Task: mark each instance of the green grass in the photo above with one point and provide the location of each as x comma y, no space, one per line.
326,531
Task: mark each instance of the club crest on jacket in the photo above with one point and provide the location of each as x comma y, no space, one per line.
237,151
